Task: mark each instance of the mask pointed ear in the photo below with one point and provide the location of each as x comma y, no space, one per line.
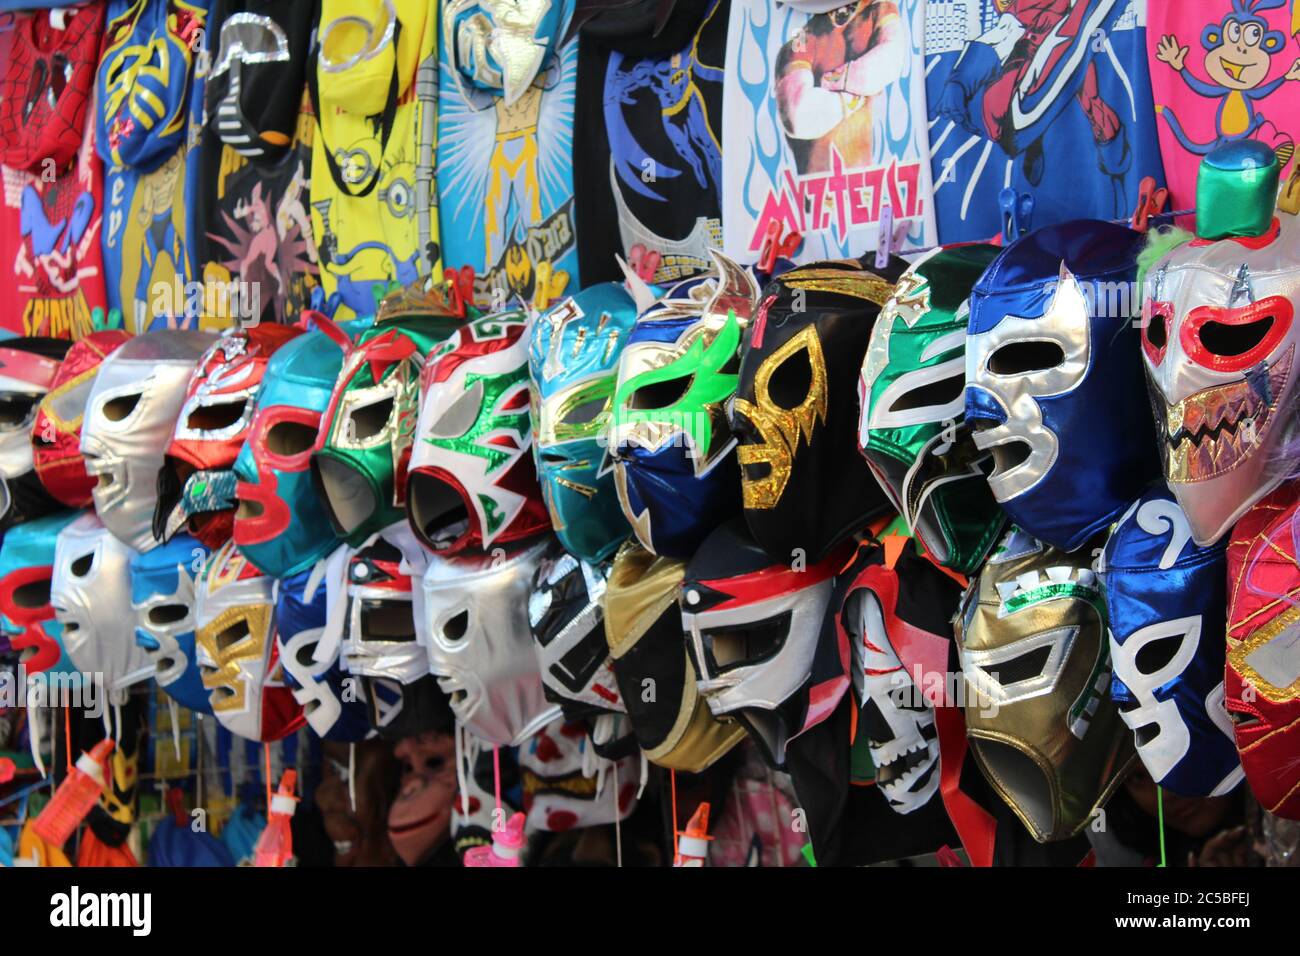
313,319
641,293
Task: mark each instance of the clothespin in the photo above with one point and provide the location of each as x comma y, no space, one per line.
7,769
644,262
176,805
1017,213
889,237
460,290
774,247
947,857
1151,202
542,287
1288,199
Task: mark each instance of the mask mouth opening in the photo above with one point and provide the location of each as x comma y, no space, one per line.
26,654
437,510
347,494
1009,455
1021,780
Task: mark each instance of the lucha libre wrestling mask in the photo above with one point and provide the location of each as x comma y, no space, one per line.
26,617
1034,657
473,478
1262,679
566,786
911,394
237,651
359,463
300,608
56,434
573,360
162,595
281,524
568,623
1219,340
91,597
674,466
381,638
196,487
898,622
499,46
130,415
643,626
754,630
28,369
1166,600
475,626
804,487
1054,382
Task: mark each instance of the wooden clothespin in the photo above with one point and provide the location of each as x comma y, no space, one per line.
1017,213
1151,202
775,247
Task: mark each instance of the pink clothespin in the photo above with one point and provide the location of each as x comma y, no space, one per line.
644,262
505,849
774,247
460,289
1151,202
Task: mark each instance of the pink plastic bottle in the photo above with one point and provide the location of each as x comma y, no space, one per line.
693,842
505,849
275,845
75,797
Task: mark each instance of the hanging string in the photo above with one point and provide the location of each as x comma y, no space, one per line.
496,782
67,733
1160,818
672,783
352,776
618,823
266,753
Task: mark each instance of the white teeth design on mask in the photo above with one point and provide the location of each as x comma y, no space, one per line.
1059,574
1006,589
1027,581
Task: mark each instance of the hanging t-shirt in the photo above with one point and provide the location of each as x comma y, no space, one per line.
256,255
505,155
1049,97
149,107
647,145
824,123
1222,72
375,84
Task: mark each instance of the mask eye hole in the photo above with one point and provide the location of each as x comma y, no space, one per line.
752,644
290,438
164,614
1157,331
387,621
943,392
213,417
305,655
1022,358
662,394
1155,655
587,412
456,627
460,415
16,409
1025,667
791,382
34,594
1220,338
232,635
82,565
120,407
248,509
368,421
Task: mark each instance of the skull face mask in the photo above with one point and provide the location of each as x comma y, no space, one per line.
56,433
1054,382
643,626
196,487
911,394
674,467
573,361
1219,340
475,625
754,629
1167,603
300,610
568,624
27,623
381,639
359,465
130,415
237,651
804,487
473,478
162,596
28,367
1262,679
281,524
91,597
1034,658
898,624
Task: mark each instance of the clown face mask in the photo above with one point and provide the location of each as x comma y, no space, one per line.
26,572
898,622
1219,340
91,597
129,419
475,625
1054,382
162,596
573,361
381,639
911,394
1034,658
56,433
1262,678
196,487
473,478
675,468
804,487
28,368
754,629
300,610
237,651
281,524
643,626
566,788
568,624
359,465
1167,602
